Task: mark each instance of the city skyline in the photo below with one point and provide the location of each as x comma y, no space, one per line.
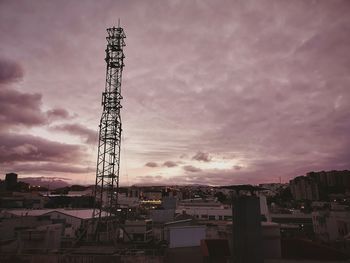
214,93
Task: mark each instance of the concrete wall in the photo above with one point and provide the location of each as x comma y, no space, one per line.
162,216
271,240
186,236
70,220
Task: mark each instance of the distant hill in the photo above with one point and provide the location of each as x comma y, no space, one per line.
66,189
48,182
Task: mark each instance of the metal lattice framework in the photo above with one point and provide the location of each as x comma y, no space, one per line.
108,159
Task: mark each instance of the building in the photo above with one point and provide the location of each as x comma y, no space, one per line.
318,185
332,178
10,224
247,233
139,231
272,189
184,236
215,250
210,209
162,215
271,239
160,228
304,188
151,194
30,200
44,239
169,202
331,226
71,219
271,245
204,209
134,191
128,201
11,181
294,225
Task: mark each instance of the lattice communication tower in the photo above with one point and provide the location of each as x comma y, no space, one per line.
108,159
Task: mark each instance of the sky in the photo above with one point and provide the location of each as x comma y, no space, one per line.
214,92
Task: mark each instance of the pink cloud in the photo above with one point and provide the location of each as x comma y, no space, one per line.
202,156
58,113
90,136
10,71
271,90
151,164
27,148
170,164
192,169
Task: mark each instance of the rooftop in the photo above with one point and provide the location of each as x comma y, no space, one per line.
78,213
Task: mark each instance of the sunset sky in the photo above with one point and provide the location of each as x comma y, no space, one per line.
215,92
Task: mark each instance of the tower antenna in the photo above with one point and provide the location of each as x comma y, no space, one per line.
110,129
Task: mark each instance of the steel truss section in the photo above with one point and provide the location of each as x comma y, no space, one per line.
108,158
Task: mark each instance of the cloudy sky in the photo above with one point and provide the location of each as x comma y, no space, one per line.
215,92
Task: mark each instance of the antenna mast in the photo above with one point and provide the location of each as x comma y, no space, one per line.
108,158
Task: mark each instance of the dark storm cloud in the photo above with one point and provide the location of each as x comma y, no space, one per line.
27,148
201,156
18,108
26,153
151,164
90,136
170,164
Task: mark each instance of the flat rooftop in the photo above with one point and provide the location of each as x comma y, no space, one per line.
78,213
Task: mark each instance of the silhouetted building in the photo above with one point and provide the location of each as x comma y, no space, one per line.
11,181
331,179
319,185
247,233
304,188
294,225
